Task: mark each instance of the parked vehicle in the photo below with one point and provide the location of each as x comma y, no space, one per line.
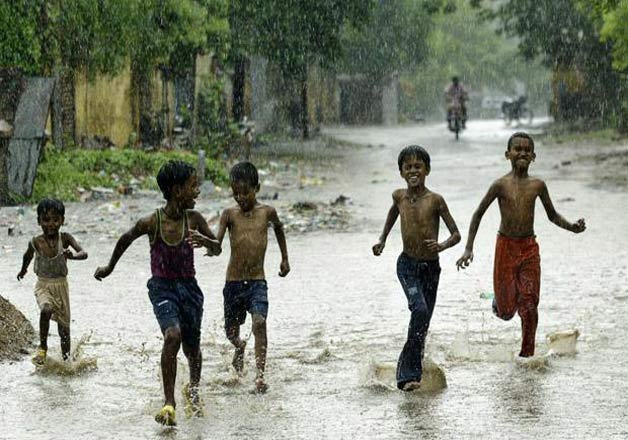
517,110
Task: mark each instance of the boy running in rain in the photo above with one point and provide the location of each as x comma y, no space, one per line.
517,267
245,288
51,251
176,298
418,269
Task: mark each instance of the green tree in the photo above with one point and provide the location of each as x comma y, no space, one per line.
167,35
585,84
394,39
294,34
461,43
19,44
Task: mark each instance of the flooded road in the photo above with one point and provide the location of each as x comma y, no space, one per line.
338,321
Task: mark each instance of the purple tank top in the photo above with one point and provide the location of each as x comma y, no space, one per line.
171,260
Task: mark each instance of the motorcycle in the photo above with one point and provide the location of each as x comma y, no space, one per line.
455,119
516,110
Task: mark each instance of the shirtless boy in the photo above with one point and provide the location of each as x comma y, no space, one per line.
418,269
245,288
517,267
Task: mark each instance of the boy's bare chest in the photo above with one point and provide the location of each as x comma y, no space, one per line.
519,195
249,226
417,209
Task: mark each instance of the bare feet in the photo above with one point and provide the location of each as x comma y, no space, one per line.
260,385
412,385
238,357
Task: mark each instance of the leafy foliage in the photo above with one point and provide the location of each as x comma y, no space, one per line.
19,45
461,43
60,173
566,37
393,40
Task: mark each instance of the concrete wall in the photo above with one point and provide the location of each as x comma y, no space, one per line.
104,106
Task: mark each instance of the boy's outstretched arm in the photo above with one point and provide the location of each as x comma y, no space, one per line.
273,218
222,229
80,253
142,227
26,260
467,256
203,236
391,218
453,239
555,217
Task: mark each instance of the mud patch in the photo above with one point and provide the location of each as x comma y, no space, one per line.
16,332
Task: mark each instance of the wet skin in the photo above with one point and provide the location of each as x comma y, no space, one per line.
420,210
516,194
248,223
181,203
47,244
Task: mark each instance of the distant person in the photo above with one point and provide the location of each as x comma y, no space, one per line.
176,298
51,251
245,288
517,268
418,268
457,96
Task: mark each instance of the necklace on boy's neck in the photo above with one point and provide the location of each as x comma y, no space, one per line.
414,197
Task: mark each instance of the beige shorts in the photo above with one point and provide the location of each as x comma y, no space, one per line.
55,292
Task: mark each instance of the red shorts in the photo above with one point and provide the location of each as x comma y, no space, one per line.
516,276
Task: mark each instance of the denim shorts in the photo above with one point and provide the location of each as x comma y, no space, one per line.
244,296
178,303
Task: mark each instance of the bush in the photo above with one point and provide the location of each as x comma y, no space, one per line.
60,173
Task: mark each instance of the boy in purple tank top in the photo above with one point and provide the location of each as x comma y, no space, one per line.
173,291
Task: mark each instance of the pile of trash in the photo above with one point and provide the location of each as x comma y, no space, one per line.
311,216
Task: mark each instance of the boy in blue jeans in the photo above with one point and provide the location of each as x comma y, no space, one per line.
418,269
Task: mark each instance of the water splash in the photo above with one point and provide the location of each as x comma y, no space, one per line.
381,377
76,365
563,343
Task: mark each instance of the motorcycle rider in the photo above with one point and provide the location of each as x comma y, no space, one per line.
456,95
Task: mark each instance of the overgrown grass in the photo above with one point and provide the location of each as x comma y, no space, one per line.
562,134
61,173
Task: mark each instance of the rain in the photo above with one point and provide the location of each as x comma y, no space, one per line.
361,282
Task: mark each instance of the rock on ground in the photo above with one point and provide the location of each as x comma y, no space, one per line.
16,332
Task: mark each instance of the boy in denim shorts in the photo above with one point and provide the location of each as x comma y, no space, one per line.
245,289
418,269
176,298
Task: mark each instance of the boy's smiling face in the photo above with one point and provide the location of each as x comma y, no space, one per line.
244,194
520,153
50,222
414,171
188,192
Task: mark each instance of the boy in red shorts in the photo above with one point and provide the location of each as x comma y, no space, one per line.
517,269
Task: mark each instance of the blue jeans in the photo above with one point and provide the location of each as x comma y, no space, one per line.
419,280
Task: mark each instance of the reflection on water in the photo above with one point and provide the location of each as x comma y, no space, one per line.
520,395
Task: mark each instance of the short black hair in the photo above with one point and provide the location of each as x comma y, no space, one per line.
520,134
414,151
244,172
47,205
454,79
173,172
